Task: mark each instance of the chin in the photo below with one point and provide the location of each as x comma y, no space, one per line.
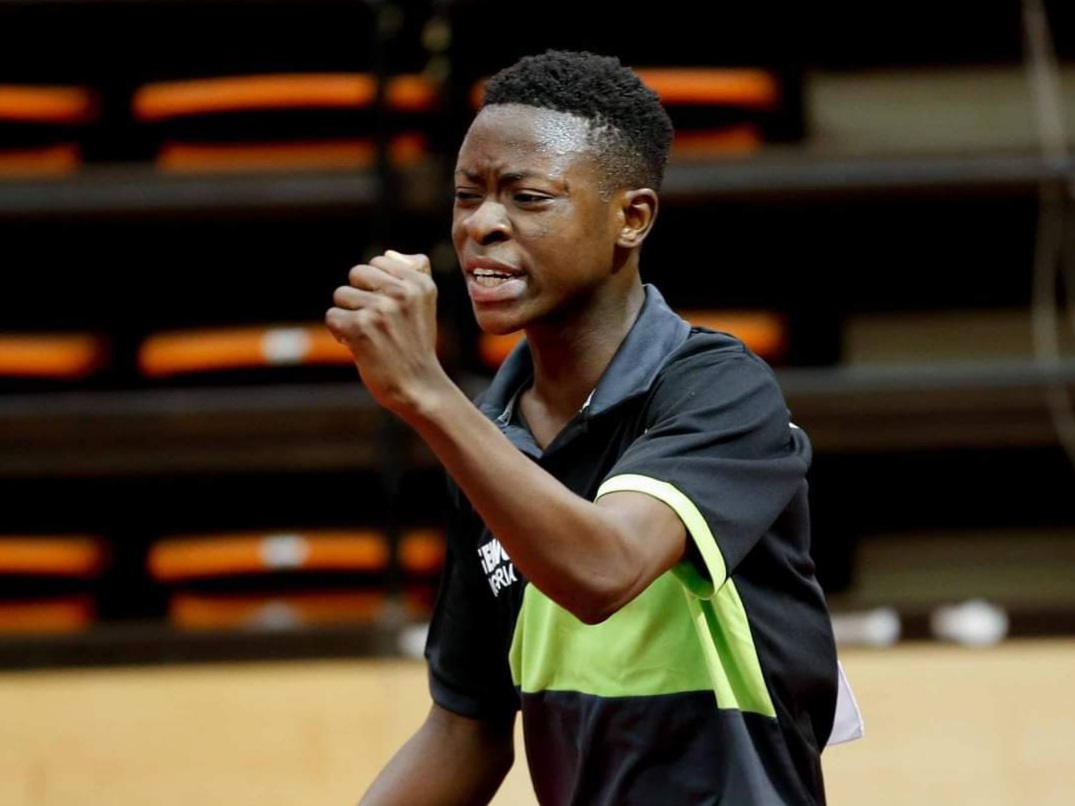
499,323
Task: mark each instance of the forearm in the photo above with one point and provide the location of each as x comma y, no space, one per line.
571,549
450,761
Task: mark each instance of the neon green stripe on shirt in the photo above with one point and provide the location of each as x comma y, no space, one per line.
665,641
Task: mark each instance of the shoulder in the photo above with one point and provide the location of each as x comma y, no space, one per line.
707,355
715,378
714,384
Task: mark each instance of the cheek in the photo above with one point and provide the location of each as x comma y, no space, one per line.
458,231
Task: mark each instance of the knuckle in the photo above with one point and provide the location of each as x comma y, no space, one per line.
339,324
355,274
363,323
387,306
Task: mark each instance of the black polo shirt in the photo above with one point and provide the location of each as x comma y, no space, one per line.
717,684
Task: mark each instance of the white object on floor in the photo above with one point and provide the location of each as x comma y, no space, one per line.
412,640
877,627
974,623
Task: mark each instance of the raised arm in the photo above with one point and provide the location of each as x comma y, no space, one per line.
591,558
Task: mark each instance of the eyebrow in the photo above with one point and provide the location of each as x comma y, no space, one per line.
509,176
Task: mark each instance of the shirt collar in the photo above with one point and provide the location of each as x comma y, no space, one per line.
656,333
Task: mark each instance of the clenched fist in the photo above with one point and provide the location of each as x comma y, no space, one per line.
387,318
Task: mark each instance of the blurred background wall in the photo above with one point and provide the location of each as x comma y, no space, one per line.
217,555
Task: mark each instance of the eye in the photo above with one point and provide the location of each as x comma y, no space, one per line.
466,195
529,198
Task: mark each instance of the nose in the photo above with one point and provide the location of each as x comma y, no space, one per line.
488,223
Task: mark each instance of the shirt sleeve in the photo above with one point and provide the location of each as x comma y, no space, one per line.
720,450
467,645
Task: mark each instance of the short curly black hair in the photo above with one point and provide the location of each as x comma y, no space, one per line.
631,129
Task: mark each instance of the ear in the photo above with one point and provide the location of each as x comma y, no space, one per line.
638,211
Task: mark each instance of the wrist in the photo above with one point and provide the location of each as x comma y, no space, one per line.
427,406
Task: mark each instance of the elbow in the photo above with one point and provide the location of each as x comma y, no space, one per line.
504,761
598,601
594,615
599,585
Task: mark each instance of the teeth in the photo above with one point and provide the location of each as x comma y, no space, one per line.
490,278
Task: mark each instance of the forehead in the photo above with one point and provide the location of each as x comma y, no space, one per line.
516,138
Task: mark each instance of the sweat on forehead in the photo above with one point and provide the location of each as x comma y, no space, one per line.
534,127
529,129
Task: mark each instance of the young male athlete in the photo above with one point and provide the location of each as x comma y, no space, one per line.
629,559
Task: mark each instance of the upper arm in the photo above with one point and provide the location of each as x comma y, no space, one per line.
495,735
651,531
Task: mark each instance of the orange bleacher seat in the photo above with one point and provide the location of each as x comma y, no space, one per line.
246,347
493,349
173,157
46,160
421,559
53,356
40,128
421,552
47,104
184,565
199,557
74,556
54,573
301,142
764,332
171,99
200,611
748,88
717,111
733,140
208,578
54,615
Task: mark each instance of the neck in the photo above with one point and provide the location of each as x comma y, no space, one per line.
571,355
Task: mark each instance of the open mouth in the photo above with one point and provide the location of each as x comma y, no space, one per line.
491,278
494,283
